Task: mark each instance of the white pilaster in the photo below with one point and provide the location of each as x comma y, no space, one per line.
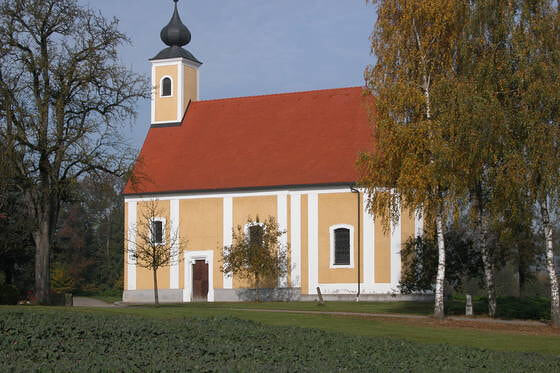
282,211
131,244
228,235
175,236
313,241
368,242
295,238
396,251
180,91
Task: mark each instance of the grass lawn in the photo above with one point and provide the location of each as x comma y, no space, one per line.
356,326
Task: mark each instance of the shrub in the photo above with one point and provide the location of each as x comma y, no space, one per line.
529,308
9,294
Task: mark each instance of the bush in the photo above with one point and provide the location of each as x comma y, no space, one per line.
9,294
529,308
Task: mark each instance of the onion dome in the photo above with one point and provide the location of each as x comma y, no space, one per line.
175,35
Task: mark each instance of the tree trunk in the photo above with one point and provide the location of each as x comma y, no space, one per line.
489,266
554,295
156,295
42,265
439,311
257,288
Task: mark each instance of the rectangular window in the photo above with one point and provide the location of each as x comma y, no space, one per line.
157,231
342,246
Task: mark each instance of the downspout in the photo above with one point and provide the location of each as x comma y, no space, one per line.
354,190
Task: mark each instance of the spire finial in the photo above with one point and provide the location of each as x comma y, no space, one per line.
176,33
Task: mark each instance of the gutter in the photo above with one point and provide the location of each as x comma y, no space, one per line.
354,190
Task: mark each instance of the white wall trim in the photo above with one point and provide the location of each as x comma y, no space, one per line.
180,92
313,241
365,288
173,61
131,244
161,87
332,228
196,195
190,258
368,243
396,251
174,232
295,239
228,235
282,212
154,93
197,84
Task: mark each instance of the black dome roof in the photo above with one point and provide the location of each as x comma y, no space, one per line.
175,35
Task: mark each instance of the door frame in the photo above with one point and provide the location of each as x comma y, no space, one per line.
190,258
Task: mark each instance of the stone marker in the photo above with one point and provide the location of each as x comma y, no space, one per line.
321,301
68,300
469,308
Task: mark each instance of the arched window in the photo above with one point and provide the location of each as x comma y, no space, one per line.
342,246
166,87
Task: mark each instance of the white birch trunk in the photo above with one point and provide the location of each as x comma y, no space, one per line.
554,296
489,267
439,311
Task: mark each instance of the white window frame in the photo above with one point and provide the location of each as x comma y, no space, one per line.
332,228
161,87
163,229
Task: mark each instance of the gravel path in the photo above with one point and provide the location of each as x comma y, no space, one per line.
90,302
398,316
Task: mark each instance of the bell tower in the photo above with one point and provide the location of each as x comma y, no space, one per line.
175,75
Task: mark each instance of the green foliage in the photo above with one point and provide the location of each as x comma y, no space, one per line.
9,294
529,308
463,261
259,257
68,341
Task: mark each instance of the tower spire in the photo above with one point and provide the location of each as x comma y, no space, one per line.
175,33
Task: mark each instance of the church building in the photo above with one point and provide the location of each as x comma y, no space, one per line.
211,165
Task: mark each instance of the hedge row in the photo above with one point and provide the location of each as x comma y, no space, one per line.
65,341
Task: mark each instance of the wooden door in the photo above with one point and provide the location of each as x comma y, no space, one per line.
200,281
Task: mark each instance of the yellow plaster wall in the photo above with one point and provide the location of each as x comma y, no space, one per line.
407,231
144,277
166,107
251,207
201,226
191,84
382,253
304,246
338,208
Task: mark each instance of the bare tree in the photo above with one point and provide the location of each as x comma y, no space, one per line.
64,96
156,245
256,253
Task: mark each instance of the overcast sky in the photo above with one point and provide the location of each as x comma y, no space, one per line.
251,47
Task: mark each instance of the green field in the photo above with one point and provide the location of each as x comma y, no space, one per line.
145,339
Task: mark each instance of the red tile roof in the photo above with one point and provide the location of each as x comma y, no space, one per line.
302,138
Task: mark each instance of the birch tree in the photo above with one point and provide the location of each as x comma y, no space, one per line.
537,45
65,96
476,109
415,43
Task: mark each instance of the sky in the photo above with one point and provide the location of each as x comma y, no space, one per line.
250,47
